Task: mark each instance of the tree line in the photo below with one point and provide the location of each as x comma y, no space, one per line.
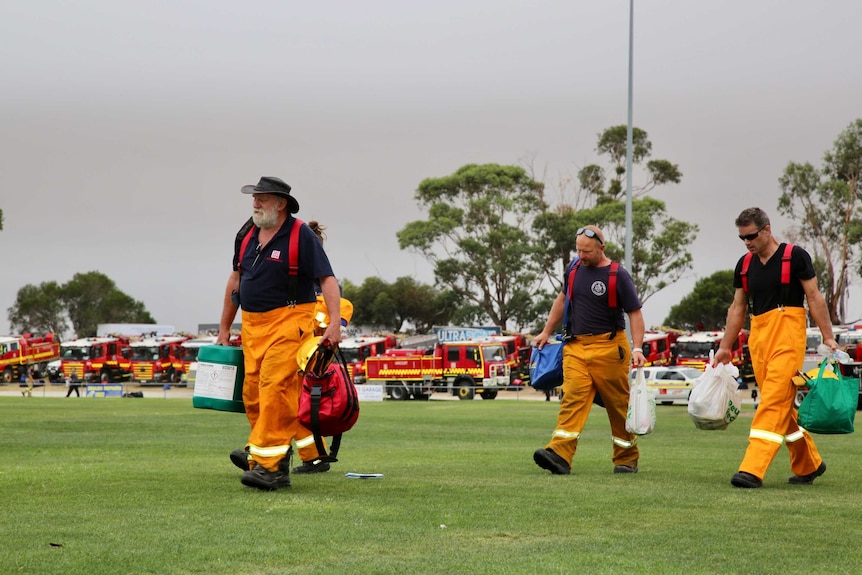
499,245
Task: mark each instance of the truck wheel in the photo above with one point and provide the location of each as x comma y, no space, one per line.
465,392
7,375
490,394
800,395
398,393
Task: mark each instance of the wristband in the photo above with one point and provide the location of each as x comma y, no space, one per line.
638,350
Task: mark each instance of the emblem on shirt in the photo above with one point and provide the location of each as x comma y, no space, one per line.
276,255
598,288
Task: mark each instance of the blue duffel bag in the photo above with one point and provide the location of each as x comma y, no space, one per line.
546,365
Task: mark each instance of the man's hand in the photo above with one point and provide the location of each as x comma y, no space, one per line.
540,340
722,356
332,333
638,359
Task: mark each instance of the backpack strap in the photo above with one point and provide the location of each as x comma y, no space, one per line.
746,261
245,232
612,296
293,262
785,272
573,269
785,264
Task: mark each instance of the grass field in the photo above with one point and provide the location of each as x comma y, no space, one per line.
116,486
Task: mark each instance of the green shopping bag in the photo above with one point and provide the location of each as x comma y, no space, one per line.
830,405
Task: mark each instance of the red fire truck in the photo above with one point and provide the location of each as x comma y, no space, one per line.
19,353
96,359
461,368
153,359
692,350
658,347
357,349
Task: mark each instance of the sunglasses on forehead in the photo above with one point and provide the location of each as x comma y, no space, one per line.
751,237
590,234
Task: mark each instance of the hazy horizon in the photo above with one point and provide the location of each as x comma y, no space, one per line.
130,127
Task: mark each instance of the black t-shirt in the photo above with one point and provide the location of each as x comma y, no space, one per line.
765,291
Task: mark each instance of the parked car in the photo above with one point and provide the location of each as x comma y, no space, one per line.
54,373
669,384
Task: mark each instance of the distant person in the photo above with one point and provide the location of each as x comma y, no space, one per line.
277,319
596,356
27,384
777,343
73,384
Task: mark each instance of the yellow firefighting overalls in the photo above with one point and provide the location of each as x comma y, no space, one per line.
270,342
777,352
592,363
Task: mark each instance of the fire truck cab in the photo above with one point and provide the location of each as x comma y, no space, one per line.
357,349
693,350
462,368
20,353
518,354
658,348
189,351
153,359
95,359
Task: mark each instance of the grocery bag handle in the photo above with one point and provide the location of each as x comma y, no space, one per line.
823,365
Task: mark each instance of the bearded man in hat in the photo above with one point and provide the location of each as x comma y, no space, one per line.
277,319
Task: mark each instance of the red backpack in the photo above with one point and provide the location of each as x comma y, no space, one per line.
329,405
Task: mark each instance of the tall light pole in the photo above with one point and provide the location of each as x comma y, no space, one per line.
628,260
628,254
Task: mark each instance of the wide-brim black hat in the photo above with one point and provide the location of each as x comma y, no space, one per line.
277,186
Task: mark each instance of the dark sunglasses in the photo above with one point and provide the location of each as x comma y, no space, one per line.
590,234
751,237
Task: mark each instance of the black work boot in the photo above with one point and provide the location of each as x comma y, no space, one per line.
314,466
547,459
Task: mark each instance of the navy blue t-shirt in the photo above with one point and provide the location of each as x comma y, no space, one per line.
588,311
264,275
764,280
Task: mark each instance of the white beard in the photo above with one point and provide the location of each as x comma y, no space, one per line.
265,218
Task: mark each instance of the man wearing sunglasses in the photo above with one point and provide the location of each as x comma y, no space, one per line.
596,356
777,343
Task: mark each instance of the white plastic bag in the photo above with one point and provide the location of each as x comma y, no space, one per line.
640,418
715,400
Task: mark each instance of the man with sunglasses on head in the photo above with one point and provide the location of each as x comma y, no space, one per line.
772,285
596,356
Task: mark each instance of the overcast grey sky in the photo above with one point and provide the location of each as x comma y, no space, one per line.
129,127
